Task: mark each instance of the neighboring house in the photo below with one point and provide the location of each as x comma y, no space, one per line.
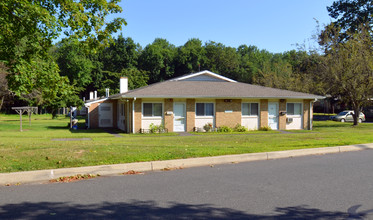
189,102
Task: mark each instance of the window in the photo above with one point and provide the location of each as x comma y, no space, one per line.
294,109
205,109
152,109
250,109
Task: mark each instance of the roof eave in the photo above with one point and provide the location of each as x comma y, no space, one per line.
223,97
204,72
89,102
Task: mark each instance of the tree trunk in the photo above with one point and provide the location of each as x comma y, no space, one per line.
54,113
356,115
2,101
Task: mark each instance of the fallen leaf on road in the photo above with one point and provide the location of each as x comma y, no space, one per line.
132,172
172,168
66,179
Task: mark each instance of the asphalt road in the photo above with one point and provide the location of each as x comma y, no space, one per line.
334,186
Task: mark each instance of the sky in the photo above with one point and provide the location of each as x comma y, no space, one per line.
274,25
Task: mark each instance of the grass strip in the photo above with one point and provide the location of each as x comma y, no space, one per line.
36,147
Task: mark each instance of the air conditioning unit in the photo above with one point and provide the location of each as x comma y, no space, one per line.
289,120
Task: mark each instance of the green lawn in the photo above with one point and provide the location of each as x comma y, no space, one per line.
34,148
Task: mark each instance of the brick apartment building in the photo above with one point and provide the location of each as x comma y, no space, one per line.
189,102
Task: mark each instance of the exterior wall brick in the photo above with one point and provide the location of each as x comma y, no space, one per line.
222,118
190,114
138,115
229,119
128,117
168,119
282,118
306,114
93,115
263,112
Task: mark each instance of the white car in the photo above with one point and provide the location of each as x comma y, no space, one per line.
347,116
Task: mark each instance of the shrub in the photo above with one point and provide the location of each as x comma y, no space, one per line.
240,128
153,128
156,128
225,129
207,127
161,128
265,128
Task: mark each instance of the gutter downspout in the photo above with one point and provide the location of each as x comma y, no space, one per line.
133,115
311,115
88,121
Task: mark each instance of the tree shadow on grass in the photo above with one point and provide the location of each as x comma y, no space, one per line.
62,127
151,210
82,129
335,125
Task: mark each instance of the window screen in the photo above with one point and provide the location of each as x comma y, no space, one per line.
200,109
250,109
205,109
157,109
209,109
294,109
254,108
147,109
152,109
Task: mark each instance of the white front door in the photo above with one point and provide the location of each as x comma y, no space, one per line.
273,115
179,117
105,115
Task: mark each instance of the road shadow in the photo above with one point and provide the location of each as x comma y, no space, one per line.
151,210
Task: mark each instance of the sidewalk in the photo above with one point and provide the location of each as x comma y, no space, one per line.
40,176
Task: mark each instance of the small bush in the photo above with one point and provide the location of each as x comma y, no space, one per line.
225,129
153,128
240,128
156,128
207,127
265,128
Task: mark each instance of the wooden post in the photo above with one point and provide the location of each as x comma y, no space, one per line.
29,117
20,119
21,110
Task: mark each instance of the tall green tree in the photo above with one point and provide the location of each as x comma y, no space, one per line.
74,62
252,60
122,53
44,20
4,91
136,78
27,29
222,59
191,57
306,71
350,14
39,83
158,60
276,73
348,67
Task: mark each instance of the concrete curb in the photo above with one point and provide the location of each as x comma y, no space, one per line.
115,169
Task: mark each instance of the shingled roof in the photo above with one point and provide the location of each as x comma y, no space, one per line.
211,86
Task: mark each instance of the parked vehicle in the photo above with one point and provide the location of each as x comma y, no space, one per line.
347,115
